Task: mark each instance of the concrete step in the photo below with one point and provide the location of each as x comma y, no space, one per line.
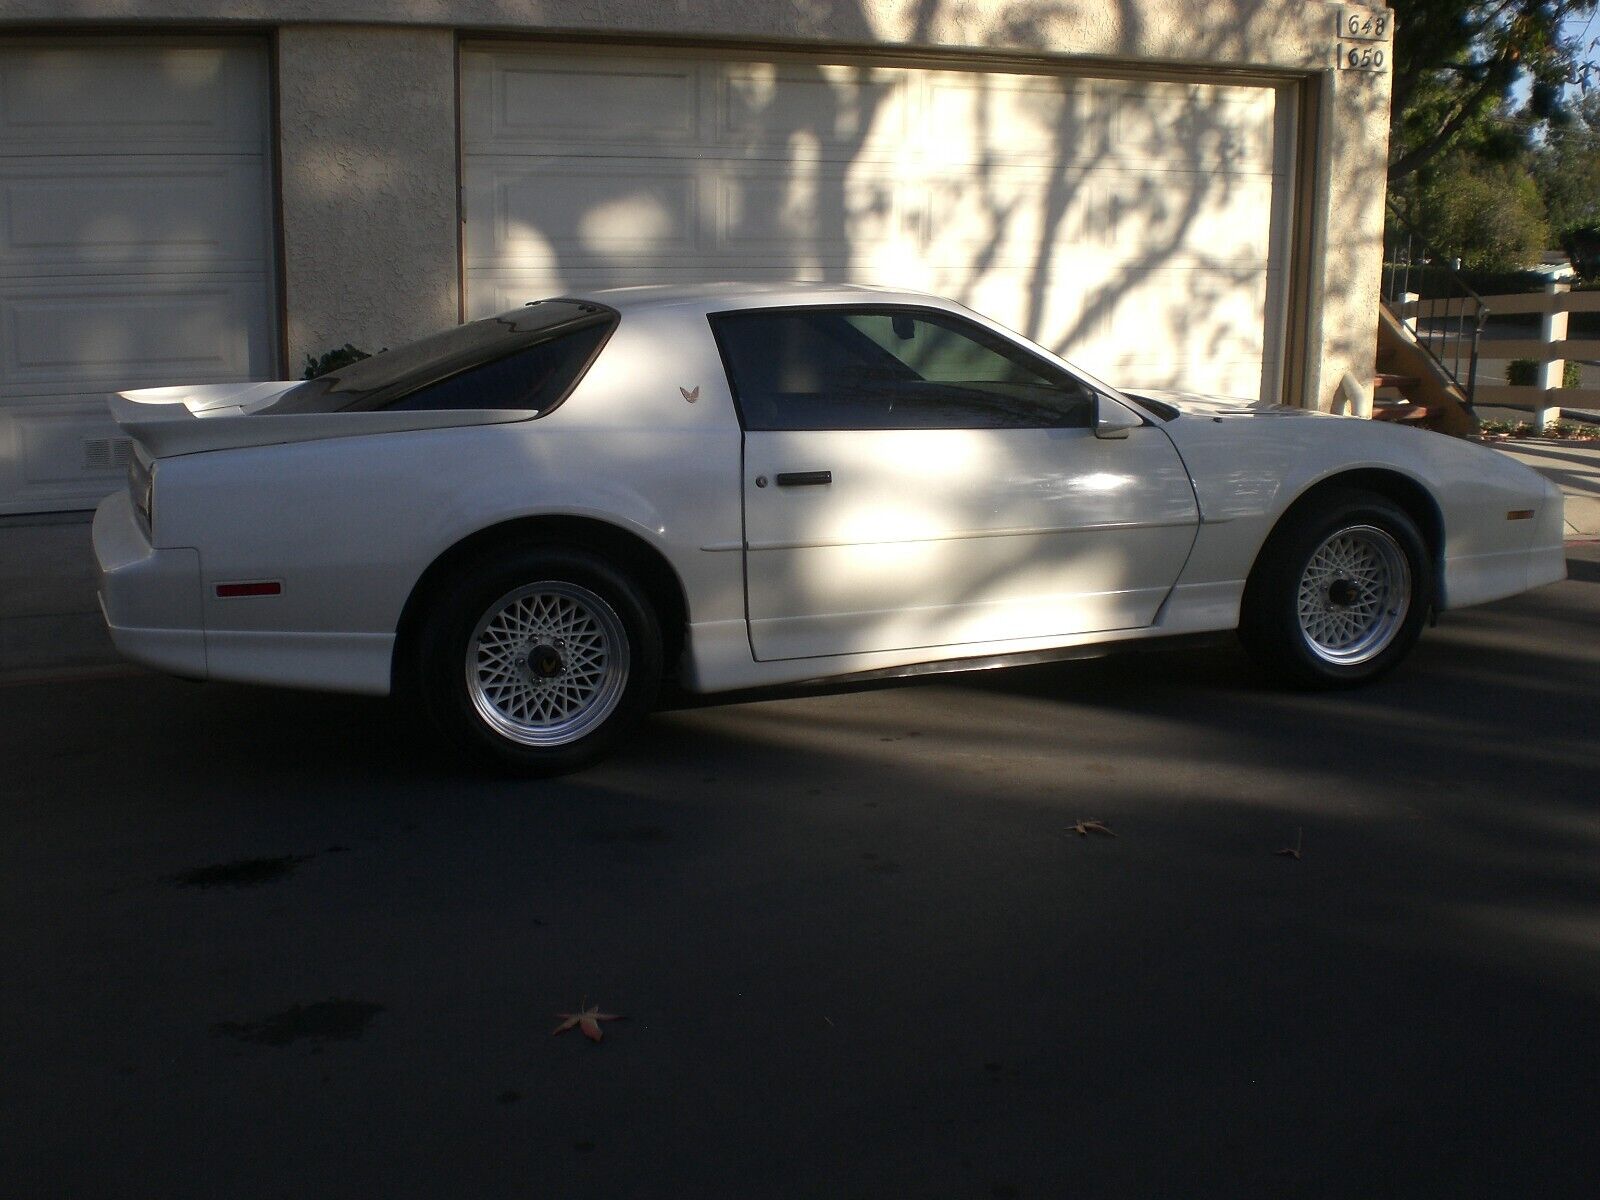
1398,410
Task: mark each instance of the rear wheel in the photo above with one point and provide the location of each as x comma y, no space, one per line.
540,659
1339,594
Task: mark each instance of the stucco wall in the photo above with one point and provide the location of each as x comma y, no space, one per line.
368,135
1284,33
1347,254
367,111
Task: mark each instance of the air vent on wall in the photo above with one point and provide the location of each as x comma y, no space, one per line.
106,454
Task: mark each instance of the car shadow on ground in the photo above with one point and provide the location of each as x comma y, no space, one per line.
855,924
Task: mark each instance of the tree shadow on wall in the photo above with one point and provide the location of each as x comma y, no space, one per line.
1117,221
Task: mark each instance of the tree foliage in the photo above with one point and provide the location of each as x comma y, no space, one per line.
1455,64
1566,166
1488,214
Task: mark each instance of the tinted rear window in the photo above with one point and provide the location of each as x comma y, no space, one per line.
528,358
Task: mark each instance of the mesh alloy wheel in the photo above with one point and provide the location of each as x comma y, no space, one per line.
547,664
1354,595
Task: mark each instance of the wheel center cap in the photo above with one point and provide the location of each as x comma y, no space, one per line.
1342,592
544,661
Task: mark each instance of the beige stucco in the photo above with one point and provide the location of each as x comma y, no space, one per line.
367,108
368,166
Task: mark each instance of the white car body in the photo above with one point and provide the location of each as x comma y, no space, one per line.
928,546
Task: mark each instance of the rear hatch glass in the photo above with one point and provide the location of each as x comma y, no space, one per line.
530,358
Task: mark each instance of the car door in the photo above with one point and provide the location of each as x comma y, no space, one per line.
914,479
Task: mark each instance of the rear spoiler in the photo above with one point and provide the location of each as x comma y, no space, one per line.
171,425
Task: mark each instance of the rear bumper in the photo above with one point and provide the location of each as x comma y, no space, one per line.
150,598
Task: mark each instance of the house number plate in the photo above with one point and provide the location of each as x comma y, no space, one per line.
1365,25
1357,57
1365,37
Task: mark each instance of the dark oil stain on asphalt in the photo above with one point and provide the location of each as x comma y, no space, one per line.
509,1096
244,872
322,1021
642,835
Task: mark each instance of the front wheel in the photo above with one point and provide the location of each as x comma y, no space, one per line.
539,660
1340,594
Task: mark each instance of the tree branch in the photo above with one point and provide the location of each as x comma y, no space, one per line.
1495,79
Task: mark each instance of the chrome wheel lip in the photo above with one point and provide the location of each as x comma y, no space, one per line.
1366,563
523,703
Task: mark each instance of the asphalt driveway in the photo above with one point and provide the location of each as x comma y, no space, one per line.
270,944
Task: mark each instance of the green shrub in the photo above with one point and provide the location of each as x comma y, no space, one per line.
1583,248
1434,281
1523,429
333,360
1524,372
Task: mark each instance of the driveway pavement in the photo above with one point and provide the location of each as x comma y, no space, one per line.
263,944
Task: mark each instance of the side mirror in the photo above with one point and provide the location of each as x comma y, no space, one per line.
1113,420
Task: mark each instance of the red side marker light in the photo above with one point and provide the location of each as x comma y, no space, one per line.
1520,514
227,591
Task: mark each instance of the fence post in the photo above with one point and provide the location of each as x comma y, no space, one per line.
1552,328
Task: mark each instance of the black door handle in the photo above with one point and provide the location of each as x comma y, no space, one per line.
803,478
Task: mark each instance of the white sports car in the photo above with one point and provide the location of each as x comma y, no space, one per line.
531,518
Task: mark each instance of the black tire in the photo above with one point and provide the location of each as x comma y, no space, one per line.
1367,580
566,659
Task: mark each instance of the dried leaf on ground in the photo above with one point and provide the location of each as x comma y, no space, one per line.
586,1021
1294,850
1085,828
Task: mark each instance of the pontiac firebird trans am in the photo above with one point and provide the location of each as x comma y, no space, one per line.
528,520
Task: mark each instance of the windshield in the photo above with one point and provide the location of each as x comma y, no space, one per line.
393,375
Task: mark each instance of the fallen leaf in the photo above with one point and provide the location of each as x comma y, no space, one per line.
1085,828
1294,850
587,1021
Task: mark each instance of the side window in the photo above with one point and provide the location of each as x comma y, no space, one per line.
876,368
534,378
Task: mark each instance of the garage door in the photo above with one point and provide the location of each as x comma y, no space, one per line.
135,249
1137,227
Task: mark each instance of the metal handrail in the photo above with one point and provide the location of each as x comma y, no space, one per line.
1403,248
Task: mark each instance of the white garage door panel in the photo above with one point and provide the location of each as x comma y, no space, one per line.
136,247
1137,227
836,211
55,453
93,98
130,214
1050,121
623,104
146,329
572,205
812,111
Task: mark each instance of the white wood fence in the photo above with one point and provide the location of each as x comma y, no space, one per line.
1552,349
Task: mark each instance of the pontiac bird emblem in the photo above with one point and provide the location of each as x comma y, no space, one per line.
691,397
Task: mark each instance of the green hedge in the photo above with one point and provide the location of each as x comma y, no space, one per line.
1437,282
1524,372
